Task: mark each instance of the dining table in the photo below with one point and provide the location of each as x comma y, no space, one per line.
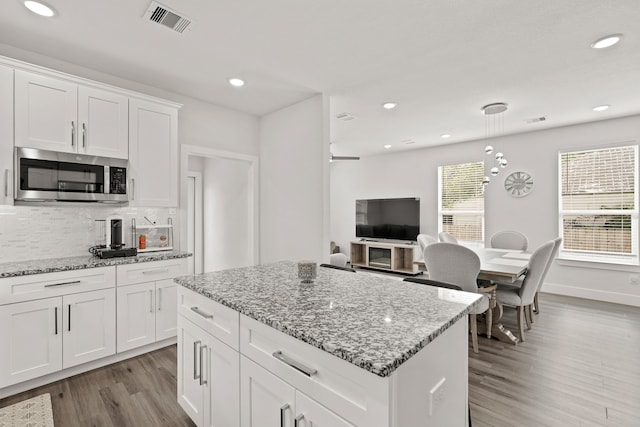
497,265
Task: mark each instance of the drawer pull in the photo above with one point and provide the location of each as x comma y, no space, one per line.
160,271
55,313
295,364
203,380
75,282
202,313
296,421
283,409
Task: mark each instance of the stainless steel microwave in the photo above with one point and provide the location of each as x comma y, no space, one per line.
43,176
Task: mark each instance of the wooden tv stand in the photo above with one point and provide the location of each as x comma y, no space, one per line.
395,257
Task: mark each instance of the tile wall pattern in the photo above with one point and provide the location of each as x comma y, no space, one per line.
37,232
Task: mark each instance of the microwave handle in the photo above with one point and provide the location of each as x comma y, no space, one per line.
133,188
84,135
73,133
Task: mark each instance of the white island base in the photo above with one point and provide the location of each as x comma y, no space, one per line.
228,376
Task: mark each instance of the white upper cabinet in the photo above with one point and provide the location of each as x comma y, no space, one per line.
153,154
6,135
60,115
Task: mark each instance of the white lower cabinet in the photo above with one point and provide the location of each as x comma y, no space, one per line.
269,401
208,377
47,335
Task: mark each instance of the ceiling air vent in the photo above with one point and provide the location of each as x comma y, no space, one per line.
167,17
536,119
345,117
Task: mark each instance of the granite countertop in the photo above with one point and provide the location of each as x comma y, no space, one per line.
372,321
38,266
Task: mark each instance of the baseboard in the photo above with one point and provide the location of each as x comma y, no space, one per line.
69,372
594,294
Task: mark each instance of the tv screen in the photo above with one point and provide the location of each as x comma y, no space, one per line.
394,219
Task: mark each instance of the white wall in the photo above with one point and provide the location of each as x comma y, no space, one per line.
226,214
294,184
414,174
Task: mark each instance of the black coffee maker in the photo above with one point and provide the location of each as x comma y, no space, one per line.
114,239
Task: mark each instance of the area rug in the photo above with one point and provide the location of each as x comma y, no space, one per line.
34,412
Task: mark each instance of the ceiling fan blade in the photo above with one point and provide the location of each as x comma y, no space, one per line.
345,158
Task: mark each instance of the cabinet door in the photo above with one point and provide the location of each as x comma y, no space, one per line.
136,319
103,123
45,112
153,154
222,385
89,326
190,390
266,400
6,135
166,309
311,413
31,336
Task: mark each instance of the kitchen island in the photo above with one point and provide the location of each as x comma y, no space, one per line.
258,347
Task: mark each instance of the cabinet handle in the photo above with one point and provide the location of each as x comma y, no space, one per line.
73,133
69,317
133,188
159,299
202,313
55,313
295,364
6,183
283,409
84,135
75,282
195,359
296,421
203,381
158,271
150,300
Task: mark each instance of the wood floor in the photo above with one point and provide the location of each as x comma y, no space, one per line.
579,366
139,392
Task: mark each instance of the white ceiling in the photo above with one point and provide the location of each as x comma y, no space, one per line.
441,60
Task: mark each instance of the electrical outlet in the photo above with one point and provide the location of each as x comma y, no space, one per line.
634,279
436,396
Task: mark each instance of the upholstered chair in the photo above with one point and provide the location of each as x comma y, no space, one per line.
425,240
447,238
509,240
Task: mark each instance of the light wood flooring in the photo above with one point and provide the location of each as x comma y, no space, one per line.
579,366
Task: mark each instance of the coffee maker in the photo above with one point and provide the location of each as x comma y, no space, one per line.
113,245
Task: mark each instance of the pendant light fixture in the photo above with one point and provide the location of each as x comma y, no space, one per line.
494,126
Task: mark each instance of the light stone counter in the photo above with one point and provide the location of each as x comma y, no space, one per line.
371,321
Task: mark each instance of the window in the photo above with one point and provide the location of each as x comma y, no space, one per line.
461,200
599,205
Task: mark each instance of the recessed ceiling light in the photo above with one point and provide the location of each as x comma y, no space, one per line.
234,81
389,105
387,146
445,135
39,8
601,108
607,41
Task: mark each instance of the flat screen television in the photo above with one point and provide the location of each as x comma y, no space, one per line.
393,219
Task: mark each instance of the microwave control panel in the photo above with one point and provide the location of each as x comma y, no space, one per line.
117,180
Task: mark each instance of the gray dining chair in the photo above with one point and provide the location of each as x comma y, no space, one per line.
458,265
425,240
509,239
522,297
447,237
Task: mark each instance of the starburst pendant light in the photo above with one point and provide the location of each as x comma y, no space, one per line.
494,125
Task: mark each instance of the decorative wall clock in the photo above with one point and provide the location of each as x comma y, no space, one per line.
518,184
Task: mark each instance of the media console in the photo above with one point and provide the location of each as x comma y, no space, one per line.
395,257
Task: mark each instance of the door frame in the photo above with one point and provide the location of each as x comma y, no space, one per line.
253,175
198,229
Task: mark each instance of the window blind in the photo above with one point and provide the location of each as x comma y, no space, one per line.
461,200
598,201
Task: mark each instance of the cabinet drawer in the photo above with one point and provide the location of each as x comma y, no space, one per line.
150,271
216,319
37,286
356,394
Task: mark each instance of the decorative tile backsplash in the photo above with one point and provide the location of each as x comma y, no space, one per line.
36,232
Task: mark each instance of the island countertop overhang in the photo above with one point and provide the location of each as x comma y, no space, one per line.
371,321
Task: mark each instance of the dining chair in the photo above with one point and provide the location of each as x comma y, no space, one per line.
338,259
457,265
556,247
425,240
522,297
509,239
447,238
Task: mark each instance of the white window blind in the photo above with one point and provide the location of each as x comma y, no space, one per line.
599,204
461,200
